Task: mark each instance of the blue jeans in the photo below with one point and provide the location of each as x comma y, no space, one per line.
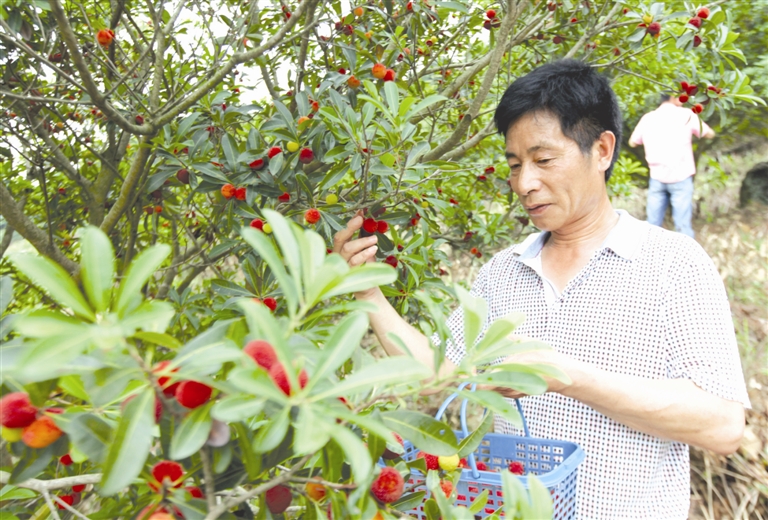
681,196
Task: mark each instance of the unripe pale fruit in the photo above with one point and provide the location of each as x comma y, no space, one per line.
332,199
448,463
292,146
388,486
41,433
267,229
647,18
11,434
315,490
16,410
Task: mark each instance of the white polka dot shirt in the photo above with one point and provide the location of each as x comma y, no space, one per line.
649,303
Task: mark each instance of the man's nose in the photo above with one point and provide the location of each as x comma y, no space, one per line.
528,179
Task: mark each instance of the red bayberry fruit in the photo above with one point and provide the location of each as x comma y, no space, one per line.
453,201
431,460
16,410
195,491
67,499
192,394
165,381
388,486
370,225
489,170
271,303
315,490
65,460
695,21
183,176
257,223
683,98
258,164
473,251
306,155
228,191
105,37
312,216
240,193
389,454
447,487
481,465
653,28
379,71
382,226
78,488
285,197
41,433
278,499
482,178
353,82
516,467
262,352
703,13
696,40
490,13
389,75
166,473
274,151
399,247
391,260
280,378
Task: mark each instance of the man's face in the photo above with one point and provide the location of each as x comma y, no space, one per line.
557,184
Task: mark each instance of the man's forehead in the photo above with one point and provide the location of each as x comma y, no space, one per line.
538,145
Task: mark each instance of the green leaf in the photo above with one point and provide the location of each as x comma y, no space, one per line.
192,433
230,151
10,492
496,403
425,432
394,370
186,124
142,267
361,278
44,323
6,291
539,369
370,423
97,259
237,407
263,246
541,501
500,329
50,276
90,434
159,338
392,96
282,230
475,312
409,501
130,446
423,104
272,433
345,339
503,348
354,451
479,503
49,357
471,442
257,382
309,436
250,460
530,384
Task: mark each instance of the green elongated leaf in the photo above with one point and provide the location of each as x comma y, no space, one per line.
230,152
222,458
425,432
256,381
43,324
159,338
51,277
106,384
10,492
48,357
192,433
470,443
539,369
238,407
73,385
500,329
309,436
341,345
282,230
409,501
530,384
399,369
479,503
97,258
515,496
263,246
423,104
272,434
354,451
141,268
31,464
495,403
194,509
131,443
502,349
369,423
475,312
541,501
361,278
208,359
150,316
251,462
261,322
90,434
186,124
6,292
392,95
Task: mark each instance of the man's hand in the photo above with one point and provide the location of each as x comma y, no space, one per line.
356,252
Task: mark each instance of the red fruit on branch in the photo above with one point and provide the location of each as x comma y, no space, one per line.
388,486
431,460
195,491
274,151
683,98
240,193
312,216
78,488
473,251
391,260
16,410
490,13
703,13
482,178
285,197
258,164
262,352
695,21
192,394
696,40
105,37
370,225
516,467
382,226
271,303
169,389
257,223
67,499
65,460
653,28
166,473
489,170
139,120
698,108
183,176
353,82
41,433
278,499
379,71
389,75
227,191
453,201
279,376
447,487
306,155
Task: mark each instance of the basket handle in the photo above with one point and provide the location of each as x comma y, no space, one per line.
463,417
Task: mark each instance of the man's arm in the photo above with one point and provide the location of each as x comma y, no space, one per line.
637,137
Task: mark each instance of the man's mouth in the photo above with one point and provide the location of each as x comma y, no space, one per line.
536,209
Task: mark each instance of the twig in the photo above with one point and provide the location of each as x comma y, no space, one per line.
210,488
47,485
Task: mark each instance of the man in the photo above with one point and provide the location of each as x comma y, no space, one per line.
666,134
637,316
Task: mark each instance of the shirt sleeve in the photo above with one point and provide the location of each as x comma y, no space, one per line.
637,134
455,350
700,339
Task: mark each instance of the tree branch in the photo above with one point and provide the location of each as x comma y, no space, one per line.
16,218
595,30
47,485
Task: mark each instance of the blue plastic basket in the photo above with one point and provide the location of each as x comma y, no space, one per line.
554,463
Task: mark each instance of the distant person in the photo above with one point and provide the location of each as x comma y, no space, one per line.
666,135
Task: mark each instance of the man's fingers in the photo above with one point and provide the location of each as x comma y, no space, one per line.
352,248
342,236
363,256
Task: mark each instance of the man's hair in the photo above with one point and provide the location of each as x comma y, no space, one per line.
581,99
663,98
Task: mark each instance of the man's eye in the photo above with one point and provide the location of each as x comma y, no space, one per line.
514,167
544,161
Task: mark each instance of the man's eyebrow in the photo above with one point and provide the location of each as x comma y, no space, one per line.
532,149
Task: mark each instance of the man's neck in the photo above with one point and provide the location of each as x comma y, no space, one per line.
587,233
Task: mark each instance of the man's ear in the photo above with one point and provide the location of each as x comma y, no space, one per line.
603,150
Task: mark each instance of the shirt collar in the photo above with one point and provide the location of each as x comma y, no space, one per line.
625,239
